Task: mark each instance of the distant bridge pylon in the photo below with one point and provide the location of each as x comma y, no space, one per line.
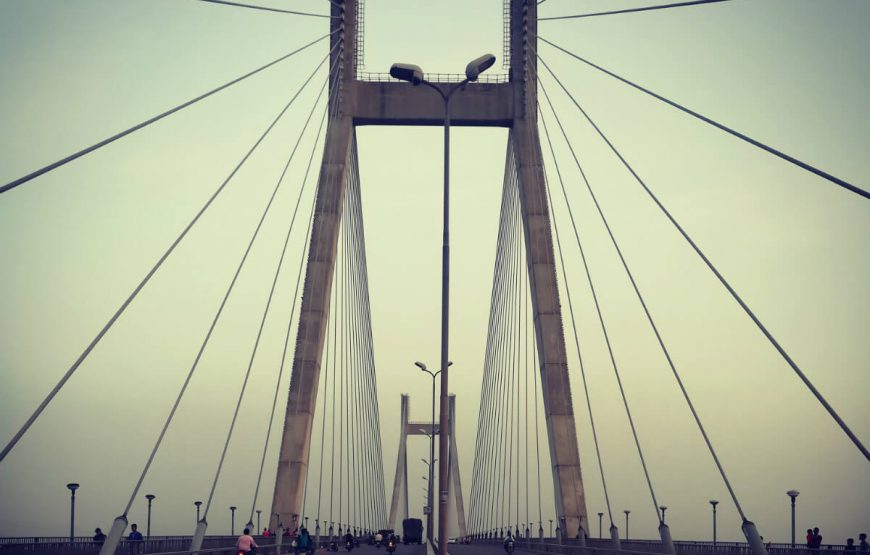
400,483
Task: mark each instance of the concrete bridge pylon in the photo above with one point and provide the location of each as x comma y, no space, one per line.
512,105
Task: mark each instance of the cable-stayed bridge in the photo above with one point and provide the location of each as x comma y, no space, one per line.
526,461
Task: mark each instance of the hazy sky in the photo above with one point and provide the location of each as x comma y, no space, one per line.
793,73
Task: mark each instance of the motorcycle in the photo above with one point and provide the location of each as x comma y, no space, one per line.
509,547
348,545
391,546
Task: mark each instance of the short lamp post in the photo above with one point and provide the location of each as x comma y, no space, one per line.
150,497
233,521
258,520
663,509
72,511
713,503
600,515
626,511
793,494
197,504
414,75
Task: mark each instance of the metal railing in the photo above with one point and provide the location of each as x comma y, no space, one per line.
373,77
645,547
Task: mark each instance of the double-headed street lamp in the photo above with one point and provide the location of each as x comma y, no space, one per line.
432,459
414,75
72,511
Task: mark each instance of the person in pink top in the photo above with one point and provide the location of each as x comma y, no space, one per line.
245,543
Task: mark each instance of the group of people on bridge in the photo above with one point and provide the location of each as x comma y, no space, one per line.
814,541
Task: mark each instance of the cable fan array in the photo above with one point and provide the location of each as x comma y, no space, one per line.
344,486
506,488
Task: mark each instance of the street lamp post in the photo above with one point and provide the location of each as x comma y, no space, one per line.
258,520
72,511
793,494
551,528
150,497
414,75
431,435
713,502
232,521
663,508
197,503
626,511
599,525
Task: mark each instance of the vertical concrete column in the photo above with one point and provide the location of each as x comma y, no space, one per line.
455,481
299,417
558,407
401,477
313,316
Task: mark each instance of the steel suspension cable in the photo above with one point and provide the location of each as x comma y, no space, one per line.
292,313
535,371
323,421
506,338
514,347
601,319
633,10
357,318
370,476
268,302
381,493
577,341
364,421
227,294
54,165
265,8
344,319
336,272
498,475
778,153
518,365
305,246
485,413
145,280
526,386
719,276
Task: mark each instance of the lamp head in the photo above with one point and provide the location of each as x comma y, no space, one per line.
419,364
150,496
197,503
792,493
478,65
714,502
73,486
407,72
